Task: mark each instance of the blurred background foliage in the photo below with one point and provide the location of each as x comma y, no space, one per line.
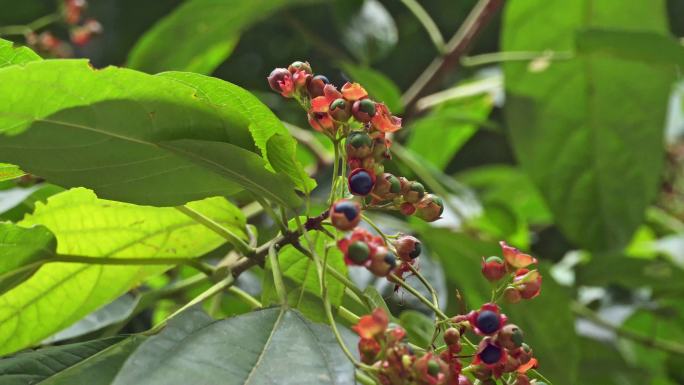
561,131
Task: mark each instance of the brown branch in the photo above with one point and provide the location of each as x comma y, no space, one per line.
457,46
289,238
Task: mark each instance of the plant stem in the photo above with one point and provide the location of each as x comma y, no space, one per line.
210,292
455,48
32,26
348,315
427,22
425,283
271,213
375,227
227,234
192,262
650,342
498,57
420,297
333,187
277,276
246,297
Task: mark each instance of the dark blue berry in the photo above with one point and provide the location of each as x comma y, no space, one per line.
360,183
487,321
322,78
347,208
491,354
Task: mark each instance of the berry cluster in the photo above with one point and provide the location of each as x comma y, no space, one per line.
81,31
361,248
521,283
500,352
349,113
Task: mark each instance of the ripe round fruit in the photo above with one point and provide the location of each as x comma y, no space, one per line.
360,182
491,354
359,252
487,321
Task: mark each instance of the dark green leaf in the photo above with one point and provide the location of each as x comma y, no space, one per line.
266,346
646,47
573,122
200,34
270,135
36,366
118,126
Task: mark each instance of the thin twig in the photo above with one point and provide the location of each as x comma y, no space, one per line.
427,22
457,46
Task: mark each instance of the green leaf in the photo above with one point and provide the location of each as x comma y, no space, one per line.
646,47
451,125
270,135
35,366
9,171
200,34
116,311
99,369
60,294
368,31
119,128
544,316
603,364
574,124
301,279
419,328
262,347
20,249
379,87
10,55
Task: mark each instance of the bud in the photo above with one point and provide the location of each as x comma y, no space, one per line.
361,182
303,66
493,268
368,350
358,252
511,295
345,214
510,337
522,380
382,262
430,208
359,144
315,85
281,81
321,122
452,336
528,283
381,148
340,110
407,208
363,110
408,247
416,192
387,186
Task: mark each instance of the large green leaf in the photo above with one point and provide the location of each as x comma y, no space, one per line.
301,279
579,127
9,171
264,347
20,249
60,294
10,55
451,125
269,134
200,34
117,131
544,316
37,366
